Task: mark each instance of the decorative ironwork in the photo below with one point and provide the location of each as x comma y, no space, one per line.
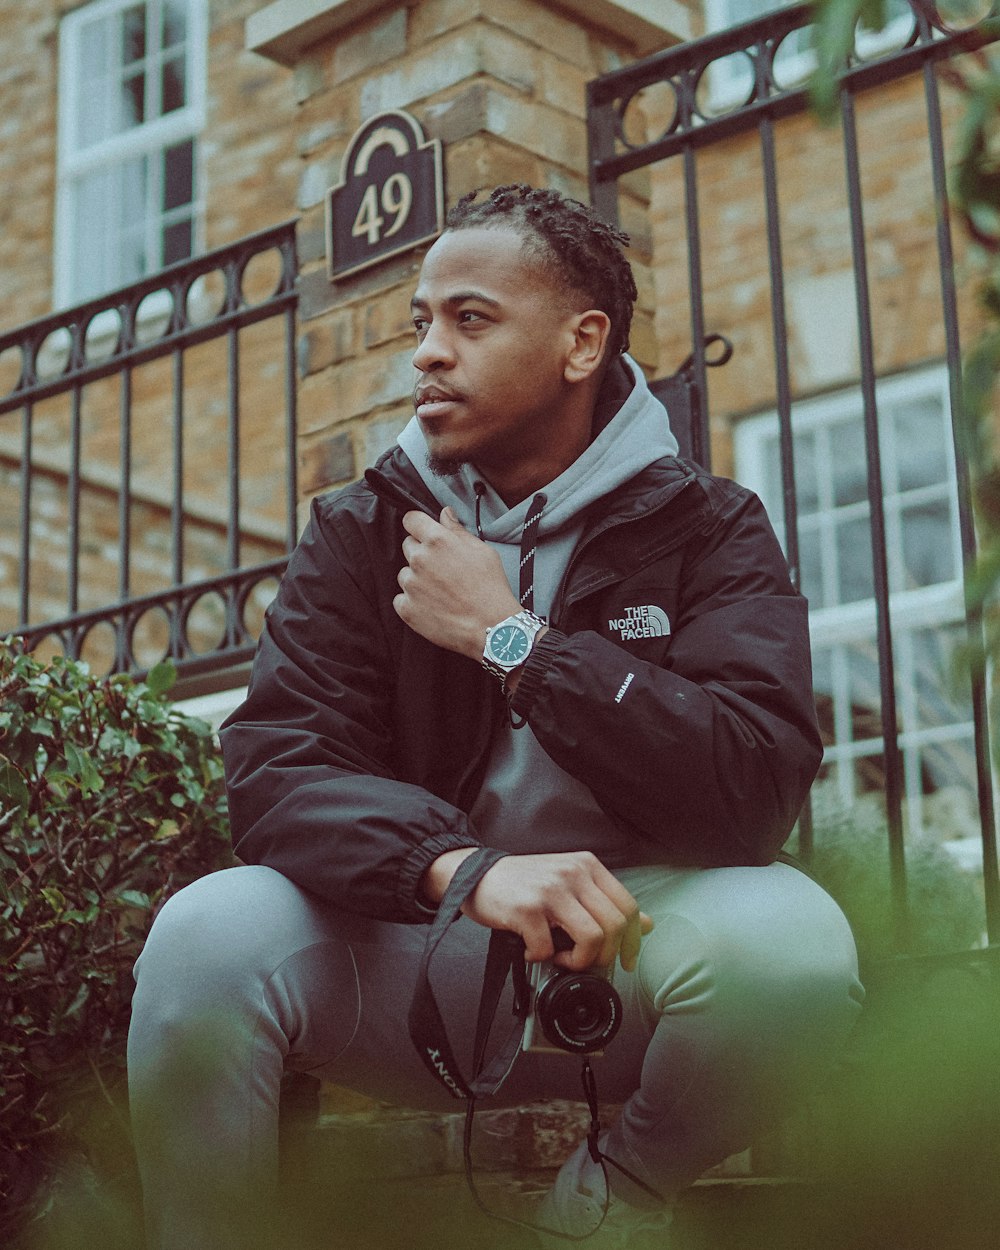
680,84
686,71
164,315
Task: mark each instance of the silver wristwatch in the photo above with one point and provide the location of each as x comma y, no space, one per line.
508,643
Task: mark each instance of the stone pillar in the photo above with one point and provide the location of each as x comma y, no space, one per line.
501,84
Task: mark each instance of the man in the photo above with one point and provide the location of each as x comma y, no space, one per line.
573,648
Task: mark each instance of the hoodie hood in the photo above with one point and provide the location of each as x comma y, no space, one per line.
634,434
633,431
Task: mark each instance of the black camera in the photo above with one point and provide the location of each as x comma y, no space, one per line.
578,1012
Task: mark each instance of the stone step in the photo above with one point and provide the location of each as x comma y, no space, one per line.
382,1178
440,1213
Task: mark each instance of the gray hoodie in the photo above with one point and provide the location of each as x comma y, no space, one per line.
527,802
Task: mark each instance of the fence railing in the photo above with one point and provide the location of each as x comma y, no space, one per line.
681,118
148,438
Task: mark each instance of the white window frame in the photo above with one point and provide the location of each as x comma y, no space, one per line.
146,139
724,89
936,606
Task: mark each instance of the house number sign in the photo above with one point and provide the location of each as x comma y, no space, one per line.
390,196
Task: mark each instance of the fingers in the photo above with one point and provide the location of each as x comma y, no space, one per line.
423,527
603,929
532,894
449,519
623,924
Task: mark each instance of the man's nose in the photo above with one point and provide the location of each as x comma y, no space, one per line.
434,350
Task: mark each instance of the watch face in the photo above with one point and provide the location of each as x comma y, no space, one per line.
509,645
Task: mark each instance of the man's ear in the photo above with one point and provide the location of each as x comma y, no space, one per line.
591,331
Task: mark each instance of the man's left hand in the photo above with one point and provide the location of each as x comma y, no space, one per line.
452,587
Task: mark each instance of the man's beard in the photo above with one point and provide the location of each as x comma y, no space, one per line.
445,466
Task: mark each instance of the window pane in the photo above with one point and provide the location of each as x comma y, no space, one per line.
823,689
132,191
805,472
177,242
95,48
132,257
133,34
172,86
941,698
866,696
928,554
174,22
94,83
855,578
922,449
91,227
770,488
849,468
949,769
133,102
178,175
810,567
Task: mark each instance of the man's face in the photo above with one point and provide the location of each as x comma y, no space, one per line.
494,330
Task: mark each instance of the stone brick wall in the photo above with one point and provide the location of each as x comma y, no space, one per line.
502,86
499,82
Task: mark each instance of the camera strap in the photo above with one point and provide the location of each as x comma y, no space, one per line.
505,957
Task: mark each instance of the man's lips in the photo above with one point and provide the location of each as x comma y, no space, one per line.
431,401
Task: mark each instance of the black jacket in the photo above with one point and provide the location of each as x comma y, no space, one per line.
361,746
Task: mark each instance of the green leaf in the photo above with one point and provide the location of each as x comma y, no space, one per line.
82,767
134,898
13,785
55,898
166,829
161,677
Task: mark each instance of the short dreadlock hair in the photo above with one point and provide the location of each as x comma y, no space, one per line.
584,251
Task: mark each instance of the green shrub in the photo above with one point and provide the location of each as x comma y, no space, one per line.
946,912
110,800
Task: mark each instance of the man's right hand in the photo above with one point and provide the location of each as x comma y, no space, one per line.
533,894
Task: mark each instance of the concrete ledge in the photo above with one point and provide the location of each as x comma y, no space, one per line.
283,30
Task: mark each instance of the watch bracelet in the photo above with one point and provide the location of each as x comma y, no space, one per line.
533,619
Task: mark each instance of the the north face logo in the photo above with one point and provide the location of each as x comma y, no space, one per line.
644,621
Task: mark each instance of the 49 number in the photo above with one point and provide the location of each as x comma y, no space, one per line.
395,203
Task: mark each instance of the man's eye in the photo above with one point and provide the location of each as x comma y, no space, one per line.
420,325
469,317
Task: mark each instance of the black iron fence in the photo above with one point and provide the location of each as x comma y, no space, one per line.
147,451
733,92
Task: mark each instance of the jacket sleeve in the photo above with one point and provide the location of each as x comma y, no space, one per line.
709,755
308,754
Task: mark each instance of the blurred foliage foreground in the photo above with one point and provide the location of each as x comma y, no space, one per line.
109,801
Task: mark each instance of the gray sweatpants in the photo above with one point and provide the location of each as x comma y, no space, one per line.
744,992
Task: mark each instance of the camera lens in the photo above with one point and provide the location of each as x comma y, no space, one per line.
578,1011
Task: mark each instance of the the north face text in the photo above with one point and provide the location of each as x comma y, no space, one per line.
644,621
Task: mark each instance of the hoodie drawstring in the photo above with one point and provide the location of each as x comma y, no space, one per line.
529,545
480,492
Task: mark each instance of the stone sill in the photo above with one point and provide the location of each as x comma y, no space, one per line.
284,30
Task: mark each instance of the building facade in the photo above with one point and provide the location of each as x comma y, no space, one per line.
141,133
